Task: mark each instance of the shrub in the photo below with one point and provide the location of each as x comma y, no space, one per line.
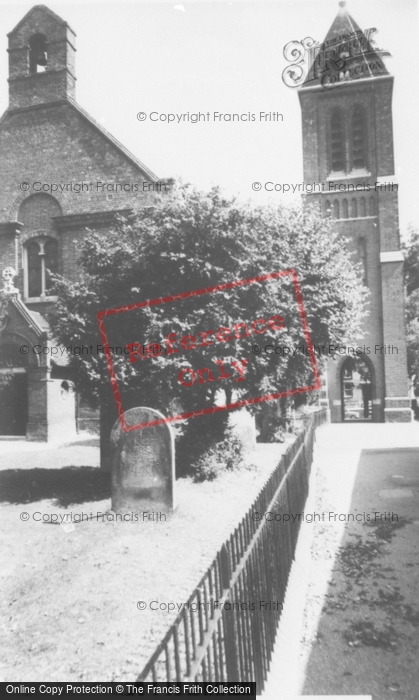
224,455
275,434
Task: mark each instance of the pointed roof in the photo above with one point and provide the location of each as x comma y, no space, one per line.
345,56
33,319
343,24
45,10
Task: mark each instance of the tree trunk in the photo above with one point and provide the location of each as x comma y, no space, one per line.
108,417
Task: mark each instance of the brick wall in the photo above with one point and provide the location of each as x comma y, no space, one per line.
58,81
383,90
394,329
371,215
56,144
47,139
36,212
389,219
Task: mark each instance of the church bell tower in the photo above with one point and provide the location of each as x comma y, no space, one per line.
348,148
41,59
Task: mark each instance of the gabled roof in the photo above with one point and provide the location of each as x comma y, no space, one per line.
113,140
69,100
47,11
117,144
34,319
345,55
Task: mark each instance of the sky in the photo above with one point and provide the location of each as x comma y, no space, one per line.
227,57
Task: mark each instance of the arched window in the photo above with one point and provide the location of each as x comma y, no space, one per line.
327,207
51,261
362,257
359,138
41,260
34,269
345,209
40,253
371,207
337,142
38,53
354,209
336,209
362,207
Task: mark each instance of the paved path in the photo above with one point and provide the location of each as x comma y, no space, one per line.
359,580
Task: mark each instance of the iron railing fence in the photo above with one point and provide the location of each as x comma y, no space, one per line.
226,631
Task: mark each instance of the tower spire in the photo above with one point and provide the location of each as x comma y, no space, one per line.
346,55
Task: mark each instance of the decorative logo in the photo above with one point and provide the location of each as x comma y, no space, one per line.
333,63
303,53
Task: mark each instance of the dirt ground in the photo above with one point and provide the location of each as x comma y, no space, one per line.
70,591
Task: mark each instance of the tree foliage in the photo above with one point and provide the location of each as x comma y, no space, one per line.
411,263
190,240
411,268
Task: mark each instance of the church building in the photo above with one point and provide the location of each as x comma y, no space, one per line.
346,104
56,163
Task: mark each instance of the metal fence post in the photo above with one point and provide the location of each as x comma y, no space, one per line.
230,633
253,565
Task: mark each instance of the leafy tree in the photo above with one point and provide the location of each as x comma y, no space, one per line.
411,268
190,240
412,335
411,264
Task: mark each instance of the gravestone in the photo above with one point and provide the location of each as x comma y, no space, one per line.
244,427
143,464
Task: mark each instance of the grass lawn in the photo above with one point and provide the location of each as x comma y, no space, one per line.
70,591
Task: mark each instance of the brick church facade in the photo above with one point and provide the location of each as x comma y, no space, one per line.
47,138
346,104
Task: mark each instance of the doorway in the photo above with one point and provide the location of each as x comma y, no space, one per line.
13,391
357,390
13,403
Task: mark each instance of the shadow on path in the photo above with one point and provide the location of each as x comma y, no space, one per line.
89,442
368,632
68,485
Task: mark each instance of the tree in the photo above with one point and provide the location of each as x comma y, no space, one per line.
411,264
190,240
411,269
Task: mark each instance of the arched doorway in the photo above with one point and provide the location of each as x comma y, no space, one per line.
13,391
357,390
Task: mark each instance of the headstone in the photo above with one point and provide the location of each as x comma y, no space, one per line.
143,464
244,427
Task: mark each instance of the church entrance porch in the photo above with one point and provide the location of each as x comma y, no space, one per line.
33,404
356,390
13,403
13,391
